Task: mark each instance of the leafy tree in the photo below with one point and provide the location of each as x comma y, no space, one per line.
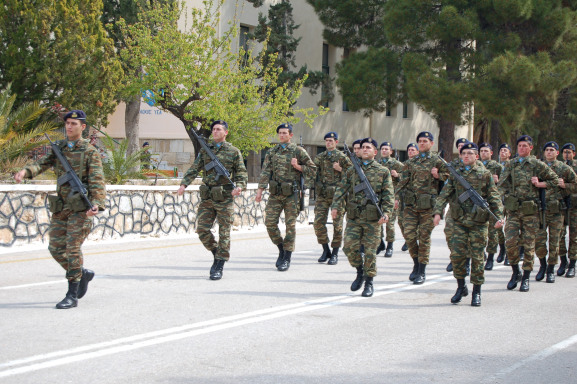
119,166
58,51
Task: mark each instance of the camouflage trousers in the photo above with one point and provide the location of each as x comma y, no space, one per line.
468,242
418,227
572,236
222,212
67,232
275,205
390,227
496,237
449,223
521,231
554,222
360,232
322,210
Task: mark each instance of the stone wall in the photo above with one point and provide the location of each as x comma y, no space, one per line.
131,211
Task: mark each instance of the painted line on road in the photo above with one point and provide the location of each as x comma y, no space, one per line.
58,358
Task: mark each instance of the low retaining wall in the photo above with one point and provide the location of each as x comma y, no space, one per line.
131,211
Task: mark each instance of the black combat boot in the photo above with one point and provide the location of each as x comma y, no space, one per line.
358,283
515,277
550,274
87,276
562,265
571,269
461,292
421,276
502,252
381,247
489,263
280,255
542,268
389,251
506,262
71,298
368,291
213,266
326,254
286,261
217,274
415,269
525,281
449,267
334,257
404,248
476,299
521,253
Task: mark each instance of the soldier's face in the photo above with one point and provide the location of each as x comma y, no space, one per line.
459,146
330,143
357,149
219,133
74,128
368,151
284,135
504,154
524,148
424,144
469,157
412,152
485,153
550,153
568,154
386,151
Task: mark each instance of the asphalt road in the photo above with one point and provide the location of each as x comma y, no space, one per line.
151,315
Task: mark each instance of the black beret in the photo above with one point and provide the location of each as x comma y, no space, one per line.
426,135
332,135
285,125
469,145
412,145
506,146
370,141
551,144
75,114
526,138
569,146
386,144
486,145
145,144
358,141
221,122
462,140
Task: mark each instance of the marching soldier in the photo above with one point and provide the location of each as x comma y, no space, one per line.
395,167
281,171
520,183
363,217
505,153
71,219
412,151
421,178
571,201
496,235
555,213
469,232
331,166
217,195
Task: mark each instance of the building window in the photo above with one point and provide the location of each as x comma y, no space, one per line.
405,110
326,70
243,41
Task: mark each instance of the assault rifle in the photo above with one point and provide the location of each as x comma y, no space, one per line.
302,184
70,177
364,185
470,192
215,162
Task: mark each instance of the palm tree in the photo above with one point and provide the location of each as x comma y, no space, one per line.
119,166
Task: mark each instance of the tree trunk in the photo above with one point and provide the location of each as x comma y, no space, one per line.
495,139
446,137
131,126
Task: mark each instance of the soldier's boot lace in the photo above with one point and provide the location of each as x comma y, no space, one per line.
462,291
217,274
71,298
368,291
286,261
562,265
542,268
326,254
415,269
334,256
87,276
389,250
525,281
476,299
358,282
550,273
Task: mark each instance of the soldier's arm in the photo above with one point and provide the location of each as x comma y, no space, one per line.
443,199
504,182
443,171
387,197
193,171
494,197
548,175
309,169
42,165
96,184
240,173
404,180
265,173
341,191
570,178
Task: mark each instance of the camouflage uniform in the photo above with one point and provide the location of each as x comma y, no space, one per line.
325,185
572,223
216,196
283,178
496,235
362,216
69,224
469,236
555,213
392,164
448,230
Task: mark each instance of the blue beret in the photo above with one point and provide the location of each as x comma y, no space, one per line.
357,142
285,125
526,138
75,114
551,144
386,144
412,145
460,141
370,141
569,146
332,135
486,145
469,145
221,122
145,144
506,146
426,135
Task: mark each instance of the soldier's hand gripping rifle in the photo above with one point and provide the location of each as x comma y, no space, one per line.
470,192
70,177
364,185
302,184
215,162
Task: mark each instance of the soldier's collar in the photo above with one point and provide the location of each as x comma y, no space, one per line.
485,162
71,144
425,154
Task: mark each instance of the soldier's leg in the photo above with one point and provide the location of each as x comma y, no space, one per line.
555,228
572,253
352,243
78,228
206,216
273,209
401,217
338,229
426,226
477,242
460,249
493,238
448,229
530,226
390,226
57,237
224,216
322,207
563,241
541,242
291,213
512,235
371,237
412,235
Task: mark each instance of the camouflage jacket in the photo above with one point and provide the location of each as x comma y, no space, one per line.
417,177
466,212
515,180
86,162
380,179
277,165
493,166
393,164
565,172
326,174
231,159
573,165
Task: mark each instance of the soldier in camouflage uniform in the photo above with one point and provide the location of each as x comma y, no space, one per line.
469,236
421,178
363,218
412,151
571,221
486,154
395,167
555,213
281,171
505,153
331,166
520,183
217,195
71,219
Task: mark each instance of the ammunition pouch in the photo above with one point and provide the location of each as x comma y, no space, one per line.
410,198
287,189
76,203
370,213
480,215
455,210
352,211
55,203
204,192
216,193
274,187
528,208
555,206
425,202
511,203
